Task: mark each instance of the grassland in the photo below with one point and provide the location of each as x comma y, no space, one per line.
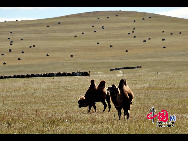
49,105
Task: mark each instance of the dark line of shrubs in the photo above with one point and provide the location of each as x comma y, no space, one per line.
59,74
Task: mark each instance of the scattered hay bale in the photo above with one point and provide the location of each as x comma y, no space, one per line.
71,56
143,18
149,38
21,39
134,28
30,46
82,32
19,58
75,36
47,55
111,45
163,31
171,33
4,63
150,17
126,50
144,40
164,47
163,39
129,33
59,22
97,43
22,51
47,26
179,32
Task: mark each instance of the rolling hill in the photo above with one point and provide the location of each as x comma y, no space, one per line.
97,40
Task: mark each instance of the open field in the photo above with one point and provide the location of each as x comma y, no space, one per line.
49,105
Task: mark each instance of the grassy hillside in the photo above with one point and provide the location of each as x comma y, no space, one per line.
59,42
49,105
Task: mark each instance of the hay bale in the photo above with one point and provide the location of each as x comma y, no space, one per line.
71,56
19,58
